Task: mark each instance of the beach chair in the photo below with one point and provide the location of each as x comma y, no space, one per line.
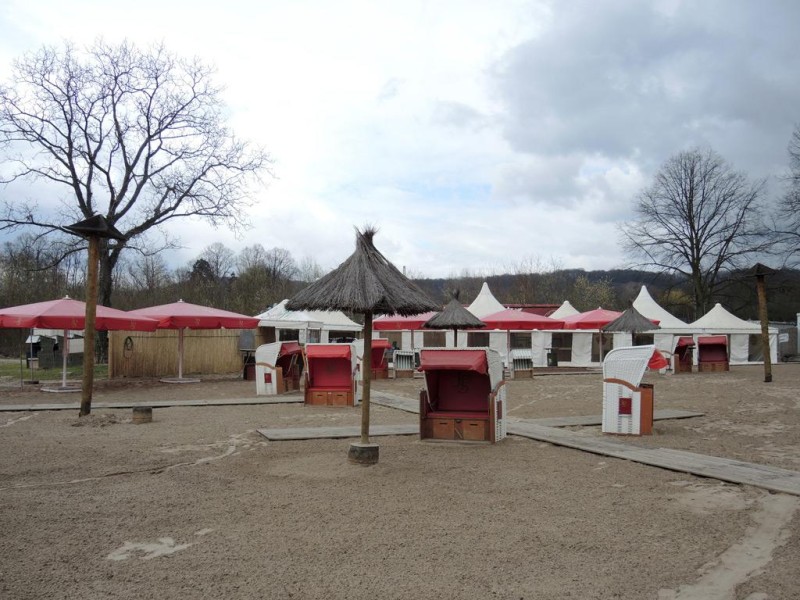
627,402
712,353
464,395
331,375
278,368
379,363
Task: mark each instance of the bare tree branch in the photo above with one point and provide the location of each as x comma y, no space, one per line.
698,219
138,136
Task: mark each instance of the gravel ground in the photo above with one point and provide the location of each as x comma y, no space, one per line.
197,504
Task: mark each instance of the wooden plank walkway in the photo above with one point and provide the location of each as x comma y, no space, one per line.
314,433
293,399
724,469
659,415
412,406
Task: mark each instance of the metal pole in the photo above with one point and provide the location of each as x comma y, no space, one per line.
64,355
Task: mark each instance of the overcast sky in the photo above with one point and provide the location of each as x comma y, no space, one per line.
473,134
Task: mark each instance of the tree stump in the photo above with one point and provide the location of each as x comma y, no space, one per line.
142,414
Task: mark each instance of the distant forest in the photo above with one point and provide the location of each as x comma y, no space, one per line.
256,278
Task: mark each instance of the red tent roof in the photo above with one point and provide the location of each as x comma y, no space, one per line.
328,351
67,313
712,340
193,316
517,319
289,348
593,319
453,360
685,341
397,322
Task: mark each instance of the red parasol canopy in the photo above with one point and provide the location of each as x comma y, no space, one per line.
180,315
398,323
70,314
593,319
516,319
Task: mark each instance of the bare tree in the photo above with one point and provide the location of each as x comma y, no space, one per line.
787,226
221,260
309,270
699,219
138,136
588,295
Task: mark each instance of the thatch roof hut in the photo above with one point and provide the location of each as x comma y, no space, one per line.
454,316
369,284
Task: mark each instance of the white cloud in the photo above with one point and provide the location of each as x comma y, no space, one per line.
470,132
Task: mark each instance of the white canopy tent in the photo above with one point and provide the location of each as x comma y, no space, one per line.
670,327
485,303
565,310
313,325
743,349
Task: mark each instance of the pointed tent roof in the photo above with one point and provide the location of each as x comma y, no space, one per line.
631,321
364,283
565,310
454,316
649,308
485,303
721,321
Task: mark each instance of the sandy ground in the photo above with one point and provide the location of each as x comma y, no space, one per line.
198,505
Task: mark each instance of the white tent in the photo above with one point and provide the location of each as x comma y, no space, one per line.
485,303
307,321
742,348
670,327
649,308
565,310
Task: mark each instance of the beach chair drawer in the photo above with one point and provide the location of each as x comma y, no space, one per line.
471,429
443,429
340,399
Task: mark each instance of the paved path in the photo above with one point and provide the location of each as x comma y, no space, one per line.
724,469
284,399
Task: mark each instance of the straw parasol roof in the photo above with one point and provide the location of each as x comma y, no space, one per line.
364,283
631,321
454,316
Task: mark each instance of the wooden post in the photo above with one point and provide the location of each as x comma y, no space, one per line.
366,364
761,288
91,314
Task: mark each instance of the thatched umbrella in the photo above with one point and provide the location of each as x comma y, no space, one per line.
630,321
454,316
369,284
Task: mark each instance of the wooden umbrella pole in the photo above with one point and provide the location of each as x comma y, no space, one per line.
64,356
180,353
366,364
91,314
762,315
